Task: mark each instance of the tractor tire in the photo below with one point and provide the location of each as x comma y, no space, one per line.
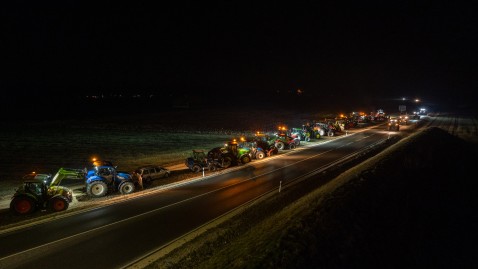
126,187
274,151
196,168
211,167
260,155
292,146
321,132
297,142
226,162
245,159
97,189
22,205
307,139
57,204
330,133
280,145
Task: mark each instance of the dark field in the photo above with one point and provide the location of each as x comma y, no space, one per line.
47,141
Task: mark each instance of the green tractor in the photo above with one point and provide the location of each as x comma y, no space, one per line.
42,191
229,155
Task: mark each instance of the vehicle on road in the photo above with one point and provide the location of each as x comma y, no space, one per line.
151,173
42,191
104,178
393,123
229,155
404,118
325,128
199,162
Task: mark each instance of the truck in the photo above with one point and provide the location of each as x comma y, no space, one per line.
104,178
43,191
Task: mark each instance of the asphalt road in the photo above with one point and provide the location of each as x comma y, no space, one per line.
116,235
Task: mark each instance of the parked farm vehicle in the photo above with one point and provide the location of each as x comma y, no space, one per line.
325,128
229,155
300,133
311,131
42,191
267,143
345,123
105,177
283,141
199,161
256,151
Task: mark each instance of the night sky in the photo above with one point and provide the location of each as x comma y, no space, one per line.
360,53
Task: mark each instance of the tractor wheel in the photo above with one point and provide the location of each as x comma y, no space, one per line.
126,187
321,132
196,168
330,133
226,162
245,159
211,167
280,145
307,139
22,205
57,204
292,146
260,155
97,189
297,142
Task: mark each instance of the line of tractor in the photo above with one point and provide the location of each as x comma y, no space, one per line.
44,191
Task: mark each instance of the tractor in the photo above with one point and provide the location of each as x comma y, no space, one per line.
300,133
325,128
266,143
257,152
104,177
310,132
42,191
198,162
229,155
283,141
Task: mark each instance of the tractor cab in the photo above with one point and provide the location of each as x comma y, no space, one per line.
232,146
36,187
200,161
199,155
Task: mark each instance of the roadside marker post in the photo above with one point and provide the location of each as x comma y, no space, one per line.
203,172
280,185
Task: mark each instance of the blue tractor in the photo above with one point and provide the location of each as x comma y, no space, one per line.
104,177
